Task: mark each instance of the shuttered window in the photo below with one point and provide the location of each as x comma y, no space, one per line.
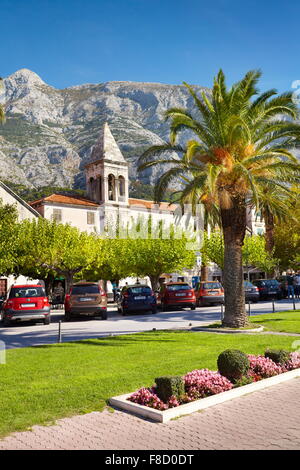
90,218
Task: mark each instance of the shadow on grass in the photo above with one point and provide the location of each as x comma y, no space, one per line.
119,341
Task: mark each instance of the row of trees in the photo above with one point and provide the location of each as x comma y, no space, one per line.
43,249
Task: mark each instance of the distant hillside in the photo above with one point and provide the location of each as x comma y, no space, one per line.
136,190
49,133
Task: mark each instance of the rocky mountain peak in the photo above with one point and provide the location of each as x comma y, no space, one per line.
49,134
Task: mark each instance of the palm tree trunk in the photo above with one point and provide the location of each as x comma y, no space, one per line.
234,227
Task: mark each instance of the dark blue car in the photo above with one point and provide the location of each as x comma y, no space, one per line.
135,299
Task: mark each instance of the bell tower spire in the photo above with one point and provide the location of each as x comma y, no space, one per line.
107,174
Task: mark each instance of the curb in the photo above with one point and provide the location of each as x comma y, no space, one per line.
224,330
141,411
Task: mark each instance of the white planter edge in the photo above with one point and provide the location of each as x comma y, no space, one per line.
122,403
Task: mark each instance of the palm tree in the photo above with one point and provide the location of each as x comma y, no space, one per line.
243,144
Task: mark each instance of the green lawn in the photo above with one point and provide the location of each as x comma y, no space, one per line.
41,384
288,322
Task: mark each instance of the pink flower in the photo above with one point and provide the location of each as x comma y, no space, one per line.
201,383
293,362
263,367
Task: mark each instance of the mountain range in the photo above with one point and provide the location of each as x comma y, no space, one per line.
49,133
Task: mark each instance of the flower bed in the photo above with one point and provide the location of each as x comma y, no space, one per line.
203,383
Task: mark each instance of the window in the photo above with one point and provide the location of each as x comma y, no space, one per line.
90,218
23,292
176,287
57,215
140,290
211,285
85,289
111,188
121,188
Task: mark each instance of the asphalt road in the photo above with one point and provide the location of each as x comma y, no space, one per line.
29,334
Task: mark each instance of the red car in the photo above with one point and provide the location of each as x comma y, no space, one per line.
176,294
24,303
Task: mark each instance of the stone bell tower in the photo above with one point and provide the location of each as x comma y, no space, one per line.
107,178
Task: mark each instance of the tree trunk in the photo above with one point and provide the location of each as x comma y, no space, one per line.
269,234
234,227
204,272
155,281
68,281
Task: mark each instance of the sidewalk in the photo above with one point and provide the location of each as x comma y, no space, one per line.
268,419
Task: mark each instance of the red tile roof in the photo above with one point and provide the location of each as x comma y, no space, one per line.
165,206
61,199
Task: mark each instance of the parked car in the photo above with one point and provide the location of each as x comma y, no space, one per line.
268,289
26,303
86,299
209,293
251,292
176,295
136,298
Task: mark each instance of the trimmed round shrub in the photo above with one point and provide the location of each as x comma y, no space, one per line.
169,386
279,356
233,364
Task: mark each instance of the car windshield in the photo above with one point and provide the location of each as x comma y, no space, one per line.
176,287
272,283
23,292
211,285
87,289
139,290
248,284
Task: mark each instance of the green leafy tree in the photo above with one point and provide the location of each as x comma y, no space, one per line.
8,237
243,146
287,239
47,247
254,253
157,249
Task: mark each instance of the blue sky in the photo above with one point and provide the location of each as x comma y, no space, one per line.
70,42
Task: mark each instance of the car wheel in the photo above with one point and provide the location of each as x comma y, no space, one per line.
154,310
47,321
193,307
164,308
104,315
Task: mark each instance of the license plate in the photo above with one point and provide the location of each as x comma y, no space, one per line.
140,297
272,292
180,295
213,292
85,299
27,305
